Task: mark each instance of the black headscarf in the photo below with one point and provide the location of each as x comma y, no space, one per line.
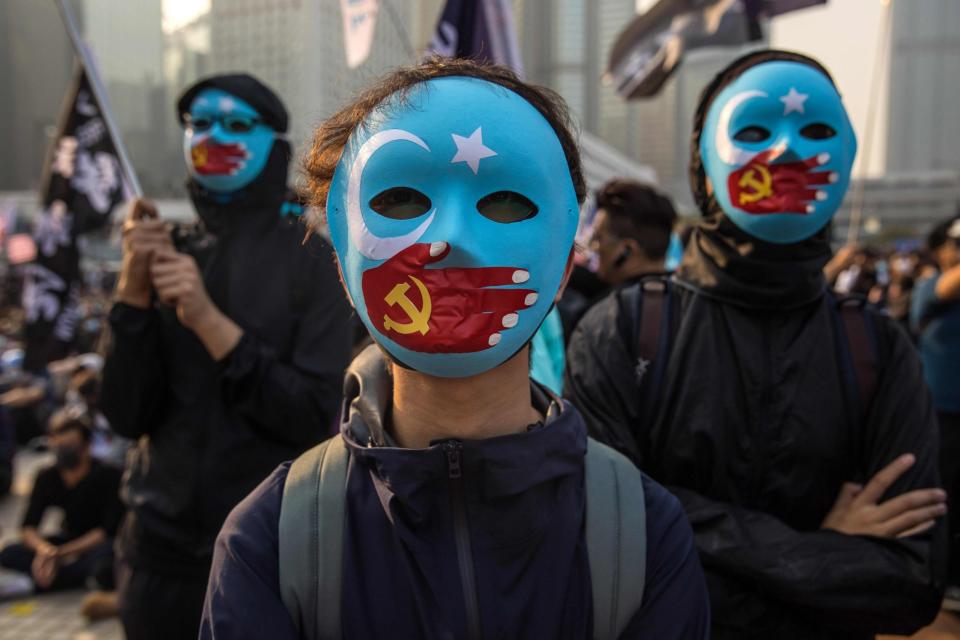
724,262
258,202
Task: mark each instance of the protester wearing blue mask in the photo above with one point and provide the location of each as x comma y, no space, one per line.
226,142
228,344
460,499
794,425
777,157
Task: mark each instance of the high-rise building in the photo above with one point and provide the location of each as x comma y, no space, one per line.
36,67
566,44
923,127
128,44
296,47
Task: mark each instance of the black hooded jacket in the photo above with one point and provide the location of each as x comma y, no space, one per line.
752,431
209,431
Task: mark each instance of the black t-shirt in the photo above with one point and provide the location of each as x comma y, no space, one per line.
93,502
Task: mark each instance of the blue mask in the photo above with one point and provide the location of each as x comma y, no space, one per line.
778,148
452,215
225,143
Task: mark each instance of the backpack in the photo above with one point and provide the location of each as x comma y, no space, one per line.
312,523
653,318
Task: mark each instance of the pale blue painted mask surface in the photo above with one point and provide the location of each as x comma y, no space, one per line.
449,280
225,144
778,147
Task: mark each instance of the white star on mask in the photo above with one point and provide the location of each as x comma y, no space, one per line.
793,101
471,150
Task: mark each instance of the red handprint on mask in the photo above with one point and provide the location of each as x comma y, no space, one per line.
450,310
787,187
214,159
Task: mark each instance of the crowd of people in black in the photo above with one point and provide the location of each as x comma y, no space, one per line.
757,435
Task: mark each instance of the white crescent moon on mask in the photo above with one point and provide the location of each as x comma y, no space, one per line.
367,243
722,140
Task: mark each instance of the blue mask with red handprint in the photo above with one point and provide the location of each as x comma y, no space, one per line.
452,214
225,143
778,148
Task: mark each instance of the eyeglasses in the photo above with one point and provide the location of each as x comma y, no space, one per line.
232,124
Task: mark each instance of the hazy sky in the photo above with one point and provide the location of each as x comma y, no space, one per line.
177,13
843,36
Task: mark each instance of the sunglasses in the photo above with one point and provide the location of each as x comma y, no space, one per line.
231,124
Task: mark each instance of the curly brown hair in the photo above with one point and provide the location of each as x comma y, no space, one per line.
330,138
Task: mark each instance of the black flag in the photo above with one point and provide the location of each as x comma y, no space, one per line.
651,48
478,29
83,183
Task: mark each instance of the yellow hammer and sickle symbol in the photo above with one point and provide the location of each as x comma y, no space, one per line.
418,317
199,155
760,188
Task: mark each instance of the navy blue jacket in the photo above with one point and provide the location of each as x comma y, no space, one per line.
524,497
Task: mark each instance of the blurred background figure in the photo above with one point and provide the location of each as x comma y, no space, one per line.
935,316
228,341
629,236
631,232
80,552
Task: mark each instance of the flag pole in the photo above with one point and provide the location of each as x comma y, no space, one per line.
100,93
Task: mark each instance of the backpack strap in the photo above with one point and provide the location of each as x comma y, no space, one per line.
862,340
311,556
652,307
859,352
616,531
310,581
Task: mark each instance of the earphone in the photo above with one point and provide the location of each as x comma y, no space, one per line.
622,257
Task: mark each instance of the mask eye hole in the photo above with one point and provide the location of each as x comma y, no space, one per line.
239,124
400,203
506,207
200,124
752,133
818,131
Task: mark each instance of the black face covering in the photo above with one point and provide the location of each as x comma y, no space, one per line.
224,213
68,457
721,260
257,203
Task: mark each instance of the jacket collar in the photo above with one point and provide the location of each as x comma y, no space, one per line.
492,468
725,263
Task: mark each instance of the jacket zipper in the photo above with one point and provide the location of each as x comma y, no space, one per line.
461,532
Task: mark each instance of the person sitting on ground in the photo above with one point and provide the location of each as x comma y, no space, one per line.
461,499
87,492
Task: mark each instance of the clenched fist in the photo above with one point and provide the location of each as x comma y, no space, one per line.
143,236
178,283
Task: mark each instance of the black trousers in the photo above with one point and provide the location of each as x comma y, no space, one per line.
96,563
156,606
950,478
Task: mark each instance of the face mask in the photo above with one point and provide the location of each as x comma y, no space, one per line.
68,457
453,216
778,148
225,144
